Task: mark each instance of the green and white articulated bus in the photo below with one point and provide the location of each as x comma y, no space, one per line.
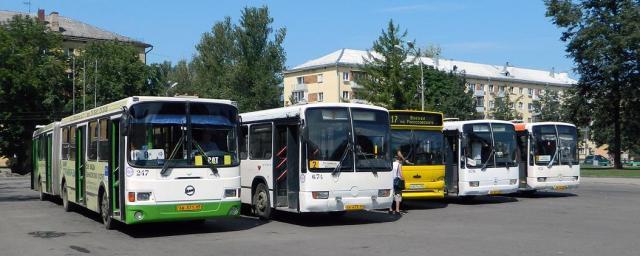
143,159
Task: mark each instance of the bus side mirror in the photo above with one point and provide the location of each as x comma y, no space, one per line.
126,118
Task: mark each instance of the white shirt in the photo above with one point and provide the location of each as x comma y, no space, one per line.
397,169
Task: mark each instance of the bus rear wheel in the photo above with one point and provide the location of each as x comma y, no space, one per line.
66,205
105,211
261,203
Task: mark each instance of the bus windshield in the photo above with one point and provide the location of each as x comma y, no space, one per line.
419,147
185,134
371,134
328,139
490,145
555,145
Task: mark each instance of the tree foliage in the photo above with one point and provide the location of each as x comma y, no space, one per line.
33,83
242,62
603,38
549,107
445,92
504,108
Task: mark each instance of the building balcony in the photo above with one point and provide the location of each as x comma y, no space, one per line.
480,109
300,87
478,93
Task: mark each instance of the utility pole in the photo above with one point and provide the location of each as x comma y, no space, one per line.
73,76
95,86
84,85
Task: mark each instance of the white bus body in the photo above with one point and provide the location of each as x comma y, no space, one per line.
549,154
481,158
303,156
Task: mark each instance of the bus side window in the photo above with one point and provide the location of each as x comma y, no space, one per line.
103,142
72,143
92,149
242,141
260,142
65,143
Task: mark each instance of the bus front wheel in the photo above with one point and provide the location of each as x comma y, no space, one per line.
66,205
105,211
261,203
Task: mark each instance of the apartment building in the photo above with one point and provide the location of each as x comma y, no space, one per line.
331,78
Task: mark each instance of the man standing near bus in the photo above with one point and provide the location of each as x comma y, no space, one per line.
398,185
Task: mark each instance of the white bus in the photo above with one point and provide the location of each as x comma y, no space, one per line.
549,153
301,159
143,159
482,158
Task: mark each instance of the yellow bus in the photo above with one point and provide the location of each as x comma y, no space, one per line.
417,137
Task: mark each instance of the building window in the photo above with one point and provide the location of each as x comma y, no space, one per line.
491,104
520,105
501,90
490,88
345,95
470,87
479,101
321,96
530,107
320,78
300,80
345,76
298,96
521,90
260,142
529,91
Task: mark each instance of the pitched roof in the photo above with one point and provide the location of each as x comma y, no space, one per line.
77,30
351,57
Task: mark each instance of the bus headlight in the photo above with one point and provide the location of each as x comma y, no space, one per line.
320,194
474,183
542,179
143,196
384,192
230,193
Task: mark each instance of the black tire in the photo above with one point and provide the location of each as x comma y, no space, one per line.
66,205
105,212
43,197
261,202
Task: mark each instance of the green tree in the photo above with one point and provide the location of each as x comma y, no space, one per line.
504,108
390,80
33,85
242,62
184,76
113,71
603,38
549,107
445,92
159,77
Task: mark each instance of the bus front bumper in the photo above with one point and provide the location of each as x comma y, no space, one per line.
367,200
552,184
170,212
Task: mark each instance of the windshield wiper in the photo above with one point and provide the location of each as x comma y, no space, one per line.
344,157
484,165
553,159
204,155
165,166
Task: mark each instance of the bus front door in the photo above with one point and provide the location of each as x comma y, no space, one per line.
286,173
522,139
81,142
48,159
293,172
451,161
115,167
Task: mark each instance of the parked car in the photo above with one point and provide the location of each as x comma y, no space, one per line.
600,160
632,163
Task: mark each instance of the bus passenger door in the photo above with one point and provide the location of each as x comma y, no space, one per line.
81,142
523,149
293,172
48,159
451,161
113,178
280,168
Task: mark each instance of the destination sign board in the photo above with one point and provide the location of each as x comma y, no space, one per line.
415,118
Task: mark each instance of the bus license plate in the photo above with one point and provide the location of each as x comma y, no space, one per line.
189,207
559,187
416,186
354,207
494,192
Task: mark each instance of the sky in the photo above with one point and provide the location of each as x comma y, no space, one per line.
488,31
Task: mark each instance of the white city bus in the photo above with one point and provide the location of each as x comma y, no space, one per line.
482,158
549,153
301,159
143,159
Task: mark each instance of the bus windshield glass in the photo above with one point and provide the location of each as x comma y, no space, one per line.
490,145
544,145
568,141
505,146
184,134
419,147
328,140
371,133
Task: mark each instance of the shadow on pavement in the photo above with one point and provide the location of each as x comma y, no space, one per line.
479,200
148,230
423,204
334,219
542,194
18,198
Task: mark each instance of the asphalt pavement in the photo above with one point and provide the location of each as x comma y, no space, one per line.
601,217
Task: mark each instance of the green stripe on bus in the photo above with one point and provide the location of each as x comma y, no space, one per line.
169,212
